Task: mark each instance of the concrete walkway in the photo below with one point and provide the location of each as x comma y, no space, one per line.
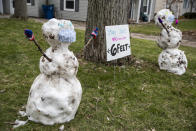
154,38
5,16
82,26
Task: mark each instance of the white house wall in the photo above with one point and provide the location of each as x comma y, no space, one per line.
11,7
133,16
153,10
160,4
134,9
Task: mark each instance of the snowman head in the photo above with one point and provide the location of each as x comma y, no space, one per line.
59,31
166,16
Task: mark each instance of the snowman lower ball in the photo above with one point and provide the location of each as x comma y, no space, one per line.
171,59
56,93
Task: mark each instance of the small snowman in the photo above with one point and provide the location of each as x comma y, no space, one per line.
171,59
56,93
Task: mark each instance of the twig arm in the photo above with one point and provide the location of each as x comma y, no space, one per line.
88,42
39,48
165,28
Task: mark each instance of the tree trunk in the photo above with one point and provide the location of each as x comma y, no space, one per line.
129,3
191,3
102,13
20,9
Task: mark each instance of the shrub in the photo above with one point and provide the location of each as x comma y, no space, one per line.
190,15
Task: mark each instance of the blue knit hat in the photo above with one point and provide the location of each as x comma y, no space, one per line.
67,36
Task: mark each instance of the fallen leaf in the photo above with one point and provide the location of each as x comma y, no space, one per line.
22,113
108,118
61,128
111,100
2,91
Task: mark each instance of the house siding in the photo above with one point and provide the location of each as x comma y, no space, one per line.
71,15
36,10
134,9
1,7
185,10
153,10
6,6
160,4
181,8
41,12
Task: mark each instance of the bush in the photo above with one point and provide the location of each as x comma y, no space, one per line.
190,15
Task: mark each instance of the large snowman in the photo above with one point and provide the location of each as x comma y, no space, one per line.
171,58
56,93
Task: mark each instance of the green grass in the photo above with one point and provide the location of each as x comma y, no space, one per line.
139,97
152,29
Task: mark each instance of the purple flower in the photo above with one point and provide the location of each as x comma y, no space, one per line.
177,21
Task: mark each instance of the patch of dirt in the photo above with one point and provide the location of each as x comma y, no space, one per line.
189,35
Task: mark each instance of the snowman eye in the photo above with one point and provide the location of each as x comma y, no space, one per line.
51,36
45,36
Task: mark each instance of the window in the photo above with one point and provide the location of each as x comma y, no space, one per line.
145,6
13,3
186,4
69,5
28,2
194,5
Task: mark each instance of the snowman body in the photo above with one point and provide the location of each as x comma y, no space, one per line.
171,58
56,93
